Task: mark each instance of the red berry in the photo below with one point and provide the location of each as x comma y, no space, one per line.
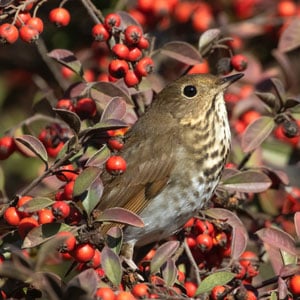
134,54
294,285
53,151
25,225
133,34
7,147
217,292
74,217
67,72
202,18
247,258
239,62
95,261
68,190
12,216
201,68
60,16
69,243
66,104
112,20
204,226
144,66
140,290
204,242
61,209
123,295
190,288
120,50
36,23
105,293
183,11
28,33
286,8
22,19
115,143
86,108
83,252
250,116
116,165
20,203
118,68
100,33
143,43
45,216
191,241
8,33
131,78
66,173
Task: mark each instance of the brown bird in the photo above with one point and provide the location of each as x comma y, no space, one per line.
175,154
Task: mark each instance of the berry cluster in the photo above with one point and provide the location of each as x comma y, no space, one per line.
128,45
23,22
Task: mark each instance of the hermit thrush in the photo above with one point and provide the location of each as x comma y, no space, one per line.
175,154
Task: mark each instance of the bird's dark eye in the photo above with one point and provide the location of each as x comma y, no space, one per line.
189,91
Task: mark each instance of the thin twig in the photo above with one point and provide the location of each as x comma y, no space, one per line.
192,261
94,13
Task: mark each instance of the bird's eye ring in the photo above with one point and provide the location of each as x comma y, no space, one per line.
189,91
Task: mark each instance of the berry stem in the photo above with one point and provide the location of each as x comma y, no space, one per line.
94,13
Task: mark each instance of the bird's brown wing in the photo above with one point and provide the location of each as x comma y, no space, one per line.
149,165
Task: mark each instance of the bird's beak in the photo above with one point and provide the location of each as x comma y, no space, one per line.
225,82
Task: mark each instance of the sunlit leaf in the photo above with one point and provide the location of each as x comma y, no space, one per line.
269,99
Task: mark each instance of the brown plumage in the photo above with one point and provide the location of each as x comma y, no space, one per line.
175,154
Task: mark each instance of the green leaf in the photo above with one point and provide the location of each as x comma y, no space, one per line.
99,158
256,133
70,118
43,233
85,180
169,272
111,265
35,145
218,278
114,238
36,204
93,196
162,254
